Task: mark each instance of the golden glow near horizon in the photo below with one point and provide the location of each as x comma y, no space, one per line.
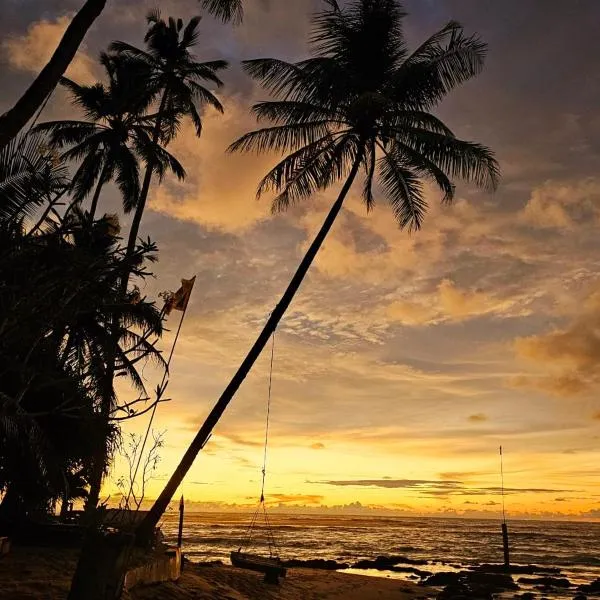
405,360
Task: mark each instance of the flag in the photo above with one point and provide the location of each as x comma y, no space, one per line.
179,300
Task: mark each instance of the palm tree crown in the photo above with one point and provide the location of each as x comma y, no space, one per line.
364,101
115,137
172,71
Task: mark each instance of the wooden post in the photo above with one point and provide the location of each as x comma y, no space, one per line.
504,527
505,544
180,532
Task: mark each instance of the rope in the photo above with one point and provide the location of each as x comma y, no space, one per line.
264,468
247,539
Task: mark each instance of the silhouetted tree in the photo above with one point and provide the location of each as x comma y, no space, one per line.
13,120
361,102
60,302
173,73
115,138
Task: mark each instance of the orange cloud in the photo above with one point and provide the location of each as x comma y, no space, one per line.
478,418
559,206
459,304
295,498
32,51
219,191
573,350
317,446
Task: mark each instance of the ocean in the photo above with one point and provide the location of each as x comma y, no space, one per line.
446,544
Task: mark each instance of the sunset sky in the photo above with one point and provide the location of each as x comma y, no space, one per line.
405,360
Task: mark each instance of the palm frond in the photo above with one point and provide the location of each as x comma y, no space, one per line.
281,137
403,191
226,10
458,158
316,170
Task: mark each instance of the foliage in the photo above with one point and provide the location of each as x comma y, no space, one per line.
363,98
59,303
116,136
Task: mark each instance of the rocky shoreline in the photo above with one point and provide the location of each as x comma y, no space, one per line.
478,582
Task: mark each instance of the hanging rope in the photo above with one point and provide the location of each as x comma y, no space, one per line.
247,539
264,468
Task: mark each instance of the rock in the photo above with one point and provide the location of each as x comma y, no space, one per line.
517,569
383,563
316,563
550,582
469,584
590,588
441,579
525,596
461,591
495,582
579,597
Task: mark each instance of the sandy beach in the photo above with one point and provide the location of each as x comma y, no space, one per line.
45,574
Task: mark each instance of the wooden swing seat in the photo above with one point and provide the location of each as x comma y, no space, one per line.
272,567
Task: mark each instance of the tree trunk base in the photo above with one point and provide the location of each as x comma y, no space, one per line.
102,565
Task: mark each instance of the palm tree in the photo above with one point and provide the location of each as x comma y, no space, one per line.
361,102
172,72
13,120
113,139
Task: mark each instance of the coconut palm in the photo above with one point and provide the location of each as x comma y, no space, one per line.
13,120
361,103
115,137
172,72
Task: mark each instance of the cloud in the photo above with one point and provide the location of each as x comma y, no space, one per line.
560,206
295,498
459,304
219,191
391,483
450,303
437,488
318,446
573,351
478,418
32,51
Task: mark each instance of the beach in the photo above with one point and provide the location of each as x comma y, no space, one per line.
45,574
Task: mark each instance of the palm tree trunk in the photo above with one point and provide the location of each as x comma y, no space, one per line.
12,121
146,527
141,205
99,186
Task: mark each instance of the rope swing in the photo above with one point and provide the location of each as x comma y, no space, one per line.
262,508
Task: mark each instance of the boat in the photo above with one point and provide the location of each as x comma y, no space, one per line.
271,566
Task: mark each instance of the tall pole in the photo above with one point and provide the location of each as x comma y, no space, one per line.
180,531
504,527
161,391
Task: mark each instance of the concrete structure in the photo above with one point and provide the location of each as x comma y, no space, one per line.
162,568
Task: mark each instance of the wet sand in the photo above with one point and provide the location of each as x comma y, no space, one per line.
45,574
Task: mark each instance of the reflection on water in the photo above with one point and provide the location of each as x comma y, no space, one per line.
443,542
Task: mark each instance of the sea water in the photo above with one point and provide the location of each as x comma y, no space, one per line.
447,544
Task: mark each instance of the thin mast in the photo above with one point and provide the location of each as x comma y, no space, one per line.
502,486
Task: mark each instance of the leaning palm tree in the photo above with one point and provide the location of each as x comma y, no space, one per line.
14,119
114,138
173,73
362,102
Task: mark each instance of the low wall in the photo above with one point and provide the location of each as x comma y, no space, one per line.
160,569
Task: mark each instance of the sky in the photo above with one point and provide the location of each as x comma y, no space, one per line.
405,360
